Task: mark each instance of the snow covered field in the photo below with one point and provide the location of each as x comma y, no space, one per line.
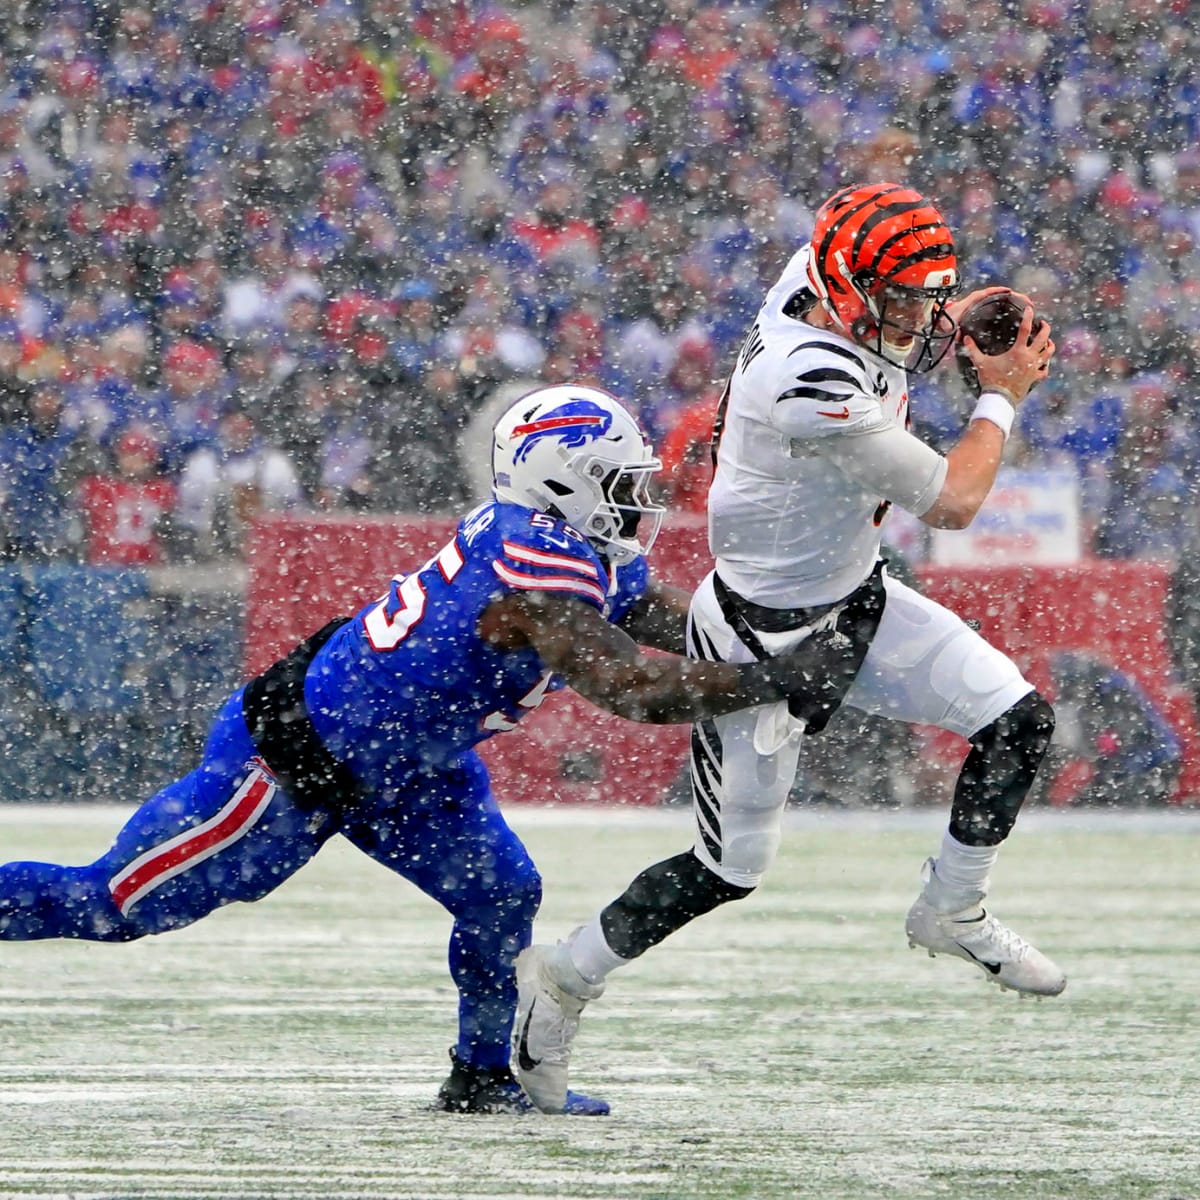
789,1047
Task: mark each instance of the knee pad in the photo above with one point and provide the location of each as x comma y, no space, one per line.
1026,728
999,771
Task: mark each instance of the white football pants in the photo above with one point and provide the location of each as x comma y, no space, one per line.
925,666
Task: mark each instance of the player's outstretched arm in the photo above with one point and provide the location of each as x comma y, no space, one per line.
659,618
604,664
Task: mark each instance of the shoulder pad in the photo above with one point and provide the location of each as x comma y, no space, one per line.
826,388
544,554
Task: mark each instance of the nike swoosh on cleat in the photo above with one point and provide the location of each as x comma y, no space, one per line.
995,968
524,1061
844,415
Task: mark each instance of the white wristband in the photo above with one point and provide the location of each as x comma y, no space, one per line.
995,408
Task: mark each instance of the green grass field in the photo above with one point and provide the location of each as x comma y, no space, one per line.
790,1047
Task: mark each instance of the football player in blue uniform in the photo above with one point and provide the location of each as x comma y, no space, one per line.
368,728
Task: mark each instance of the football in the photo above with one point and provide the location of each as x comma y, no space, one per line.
993,323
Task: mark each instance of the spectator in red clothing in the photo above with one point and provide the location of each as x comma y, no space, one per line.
686,454
688,412
124,511
707,54
289,103
579,334
338,73
494,85
499,59
444,28
551,232
345,315
14,288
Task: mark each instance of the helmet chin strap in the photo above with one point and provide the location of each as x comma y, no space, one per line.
898,356
895,353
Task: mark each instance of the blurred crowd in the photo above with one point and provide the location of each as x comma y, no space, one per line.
272,254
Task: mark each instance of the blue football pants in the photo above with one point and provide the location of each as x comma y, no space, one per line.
228,832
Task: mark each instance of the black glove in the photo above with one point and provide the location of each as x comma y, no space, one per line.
815,677
841,652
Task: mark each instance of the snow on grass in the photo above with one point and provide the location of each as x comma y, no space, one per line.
789,1047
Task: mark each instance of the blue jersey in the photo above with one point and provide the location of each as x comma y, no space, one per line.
408,682
397,695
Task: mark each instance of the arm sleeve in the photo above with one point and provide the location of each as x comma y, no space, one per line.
890,461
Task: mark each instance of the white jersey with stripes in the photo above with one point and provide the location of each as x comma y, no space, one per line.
813,449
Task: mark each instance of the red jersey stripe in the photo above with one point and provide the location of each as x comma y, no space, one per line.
547,583
545,559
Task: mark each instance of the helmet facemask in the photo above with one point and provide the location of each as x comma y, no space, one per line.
623,503
908,326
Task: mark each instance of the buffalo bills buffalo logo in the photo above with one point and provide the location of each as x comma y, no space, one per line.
574,424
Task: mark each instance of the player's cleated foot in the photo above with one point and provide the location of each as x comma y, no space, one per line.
1005,957
471,1089
550,998
579,1105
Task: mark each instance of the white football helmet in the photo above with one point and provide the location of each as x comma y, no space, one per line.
575,452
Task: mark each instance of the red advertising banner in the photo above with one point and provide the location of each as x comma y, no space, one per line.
1109,613
306,570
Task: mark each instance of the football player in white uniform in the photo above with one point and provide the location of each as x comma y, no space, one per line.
811,450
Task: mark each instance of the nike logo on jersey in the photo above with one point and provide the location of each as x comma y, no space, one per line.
843,414
524,1060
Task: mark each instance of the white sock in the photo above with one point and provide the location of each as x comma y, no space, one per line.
590,954
960,875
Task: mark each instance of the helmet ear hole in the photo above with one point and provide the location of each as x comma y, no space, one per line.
865,278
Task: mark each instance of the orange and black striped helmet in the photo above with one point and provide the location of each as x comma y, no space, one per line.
880,241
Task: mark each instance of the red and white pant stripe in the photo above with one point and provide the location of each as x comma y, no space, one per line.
161,863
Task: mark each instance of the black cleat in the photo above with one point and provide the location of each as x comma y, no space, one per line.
471,1089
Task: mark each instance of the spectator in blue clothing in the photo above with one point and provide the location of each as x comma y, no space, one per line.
115,393
1075,419
416,329
1148,516
41,461
194,392
1148,501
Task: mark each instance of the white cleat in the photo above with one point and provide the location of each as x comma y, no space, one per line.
1005,957
547,1022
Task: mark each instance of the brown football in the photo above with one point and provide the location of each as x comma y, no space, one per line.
993,322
